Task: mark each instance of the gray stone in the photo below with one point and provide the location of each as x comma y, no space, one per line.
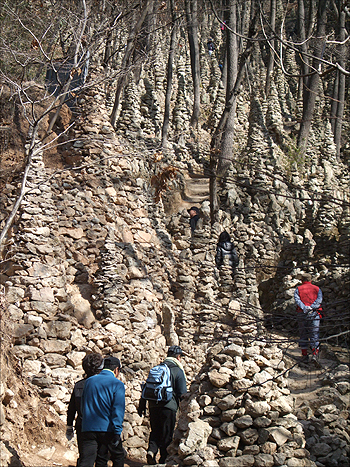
242,461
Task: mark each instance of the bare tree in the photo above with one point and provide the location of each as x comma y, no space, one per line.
221,153
337,109
311,82
169,82
192,31
271,49
127,59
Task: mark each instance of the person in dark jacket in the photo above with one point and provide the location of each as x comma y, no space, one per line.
308,298
163,414
92,365
103,408
194,217
211,46
226,249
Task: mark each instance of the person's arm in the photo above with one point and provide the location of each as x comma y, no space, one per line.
235,258
218,257
298,300
72,409
318,301
118,408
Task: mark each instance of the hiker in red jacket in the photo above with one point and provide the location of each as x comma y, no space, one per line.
308,298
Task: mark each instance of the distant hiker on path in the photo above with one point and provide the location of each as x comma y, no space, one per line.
92,365
162,413
211,46
225,251
194,217
103,408
308,298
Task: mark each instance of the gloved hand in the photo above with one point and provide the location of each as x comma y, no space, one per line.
69,433
142,407
115,440
141,411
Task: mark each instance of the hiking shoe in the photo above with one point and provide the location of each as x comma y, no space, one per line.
150,458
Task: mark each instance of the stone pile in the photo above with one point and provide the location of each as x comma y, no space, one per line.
95,267
325,421
240,411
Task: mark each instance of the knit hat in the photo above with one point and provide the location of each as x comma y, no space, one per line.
174,350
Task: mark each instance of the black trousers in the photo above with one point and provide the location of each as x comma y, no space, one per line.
162,430
95,446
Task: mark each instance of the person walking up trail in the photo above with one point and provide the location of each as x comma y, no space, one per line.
226,250
308,298
163,413
103,408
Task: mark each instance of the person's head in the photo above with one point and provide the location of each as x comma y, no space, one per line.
175,351
224,237
113,364
92,364
306,277
193,211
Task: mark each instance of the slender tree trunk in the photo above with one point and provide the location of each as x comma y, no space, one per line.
126,61
169,84
232,61
271,53
192,30
220,152
311,87
341,81
66,87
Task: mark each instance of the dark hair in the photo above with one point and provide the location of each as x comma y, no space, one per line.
174,350
224,237
92,364
111,363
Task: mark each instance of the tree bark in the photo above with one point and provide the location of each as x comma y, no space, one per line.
272,46
341,83
311,84
169,84
192,31
65,90
221,143
126,61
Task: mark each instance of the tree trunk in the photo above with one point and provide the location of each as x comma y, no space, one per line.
169,83
192,31
311,85
126,61
271,47
232,61
341,83
221,142
65,90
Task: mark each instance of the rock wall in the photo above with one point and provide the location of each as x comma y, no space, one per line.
95,265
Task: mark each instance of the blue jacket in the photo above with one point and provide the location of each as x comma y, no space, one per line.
103,403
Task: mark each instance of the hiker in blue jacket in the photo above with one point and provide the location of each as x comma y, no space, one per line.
163,414
103,408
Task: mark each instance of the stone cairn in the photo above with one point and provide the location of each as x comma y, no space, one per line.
240,413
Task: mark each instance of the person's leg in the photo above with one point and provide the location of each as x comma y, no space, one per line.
102,457
314,331
78,432
303,333
169,420
155,436
117,454
88,449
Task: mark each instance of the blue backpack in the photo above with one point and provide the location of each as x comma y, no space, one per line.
158,384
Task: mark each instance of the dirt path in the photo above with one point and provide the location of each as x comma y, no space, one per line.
306,378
